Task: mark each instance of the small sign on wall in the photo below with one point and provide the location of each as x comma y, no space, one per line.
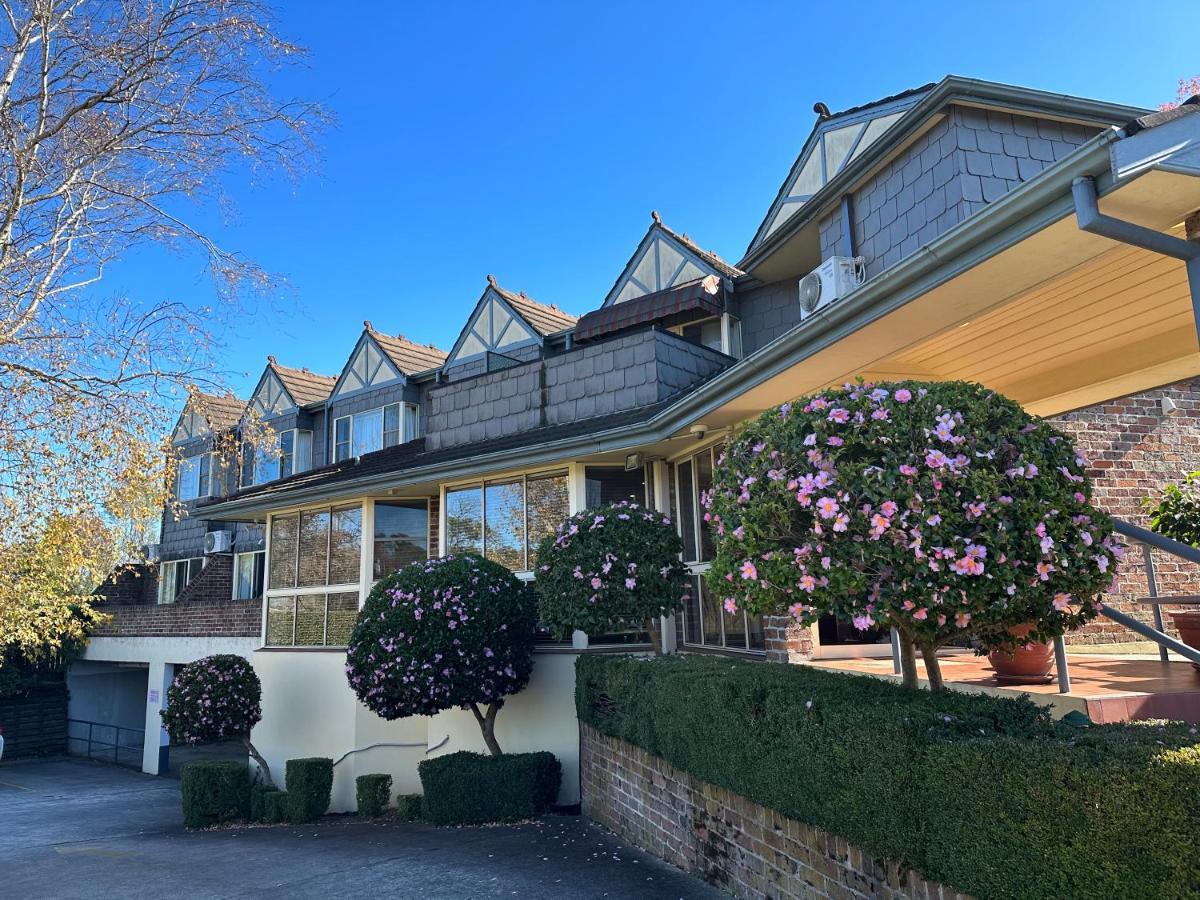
153,695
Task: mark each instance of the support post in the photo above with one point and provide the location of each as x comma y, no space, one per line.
156,742
897,664
1060,663
1152,589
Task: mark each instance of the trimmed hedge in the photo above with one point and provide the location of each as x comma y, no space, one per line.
409,807
467,788
373,793
275,807
309,786
986,794
214,791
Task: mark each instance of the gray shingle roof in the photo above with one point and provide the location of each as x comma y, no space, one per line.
409,357
219,410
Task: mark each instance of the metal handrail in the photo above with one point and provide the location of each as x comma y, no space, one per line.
116,746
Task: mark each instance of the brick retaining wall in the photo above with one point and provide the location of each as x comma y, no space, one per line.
728,841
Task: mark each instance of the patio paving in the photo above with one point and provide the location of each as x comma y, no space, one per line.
76,829
1107,688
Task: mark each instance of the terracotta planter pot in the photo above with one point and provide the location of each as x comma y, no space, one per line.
1188,625
1027,664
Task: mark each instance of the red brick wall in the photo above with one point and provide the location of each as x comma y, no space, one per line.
1134,449
737,845
204,609
786,641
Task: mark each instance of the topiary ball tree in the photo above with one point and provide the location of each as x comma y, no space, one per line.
611,567
1175,512
214,699
451,632
943,510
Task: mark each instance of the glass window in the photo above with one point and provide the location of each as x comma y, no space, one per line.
704,484
464,521
706,333
174,577
287,453
391,425
313,566
341,613
367,432
504,524
341,439
412,422
546,507
608,484
687,511
345,545
193,477
248,572
283,550
401,535
281,621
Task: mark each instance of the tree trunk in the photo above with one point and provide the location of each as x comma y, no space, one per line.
933,669
908,663
655,640
262,763
487,724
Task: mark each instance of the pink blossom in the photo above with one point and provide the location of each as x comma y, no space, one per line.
631,583
962,619
827,507
903,395
749,571
1062,602
596,582
839,415
730,605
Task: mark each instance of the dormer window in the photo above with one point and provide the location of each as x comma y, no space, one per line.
195,477
366,432
288,453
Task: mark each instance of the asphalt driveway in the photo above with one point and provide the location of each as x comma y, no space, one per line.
71,828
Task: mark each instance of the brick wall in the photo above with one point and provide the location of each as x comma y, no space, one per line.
1134,449
737,845
786,641
204,609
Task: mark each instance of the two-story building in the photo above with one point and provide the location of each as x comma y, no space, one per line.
947,231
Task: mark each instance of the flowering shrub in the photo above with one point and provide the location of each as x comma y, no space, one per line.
450,632
213,699
940,509
1175,512
611,567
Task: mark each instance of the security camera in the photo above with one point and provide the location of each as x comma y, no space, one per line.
698,431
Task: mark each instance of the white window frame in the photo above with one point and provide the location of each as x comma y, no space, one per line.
730,333
195,566
204,483
271,457
237,557
403,429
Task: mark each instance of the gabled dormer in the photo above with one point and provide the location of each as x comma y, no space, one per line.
665,259
203,438
205,414
379,359
505,322
278,436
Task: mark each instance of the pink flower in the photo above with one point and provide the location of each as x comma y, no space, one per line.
863,622
889,508
749,572
596,582
1062,602
841,522
631,583
730,605
921,614
903,395
827,507
839,415
962,619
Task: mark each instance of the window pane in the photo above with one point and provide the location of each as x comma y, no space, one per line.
166,583
244,584
687,513
367,432
704,483
341,439
464,513
650,500
182,577
412,422
735,628
343,611
401,535
283,551
280,616
691,621
314,548
189,478
712,612
504,524
607,484
266,462
205,481
310,620
391,425
547,508
758,640
345,545
287,453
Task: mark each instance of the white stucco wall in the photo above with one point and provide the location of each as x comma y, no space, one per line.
309,710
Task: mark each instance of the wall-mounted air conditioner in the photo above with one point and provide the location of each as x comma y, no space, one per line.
218,542
833,279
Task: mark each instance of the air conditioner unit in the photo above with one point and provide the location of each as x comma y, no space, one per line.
830,281
218,542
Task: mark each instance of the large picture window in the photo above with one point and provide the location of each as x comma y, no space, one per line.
505,520
374,429
401,535
313,577
705,621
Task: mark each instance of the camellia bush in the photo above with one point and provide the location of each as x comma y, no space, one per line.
214,699
943,510
1175,512
451,632
611,567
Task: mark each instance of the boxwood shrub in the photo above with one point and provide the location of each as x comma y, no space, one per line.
467,788
374,793
275,808
309,786
409,807
214,791
986,794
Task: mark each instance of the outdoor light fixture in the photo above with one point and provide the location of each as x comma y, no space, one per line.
1170,408
633,461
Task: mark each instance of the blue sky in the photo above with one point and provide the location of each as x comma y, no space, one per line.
532,140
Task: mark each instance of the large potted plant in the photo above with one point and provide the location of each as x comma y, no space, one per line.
1175,513
942,510
611,567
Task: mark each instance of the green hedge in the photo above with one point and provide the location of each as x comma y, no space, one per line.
214,791
373,793
986,794
472,789
275,807
309,785
410,807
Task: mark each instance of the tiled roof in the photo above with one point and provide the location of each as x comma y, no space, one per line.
545,319
409,357
1189,107
902,95
305,387
220,410
707,255
413,453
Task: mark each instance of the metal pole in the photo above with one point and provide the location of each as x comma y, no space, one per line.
1060,663
897,668
1152,586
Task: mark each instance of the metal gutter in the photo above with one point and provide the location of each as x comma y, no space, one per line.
1018,214
968,91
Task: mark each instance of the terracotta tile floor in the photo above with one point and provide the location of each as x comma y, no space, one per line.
1107,688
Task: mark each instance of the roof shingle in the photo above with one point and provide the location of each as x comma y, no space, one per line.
544,319
305,387
219,410
409,357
